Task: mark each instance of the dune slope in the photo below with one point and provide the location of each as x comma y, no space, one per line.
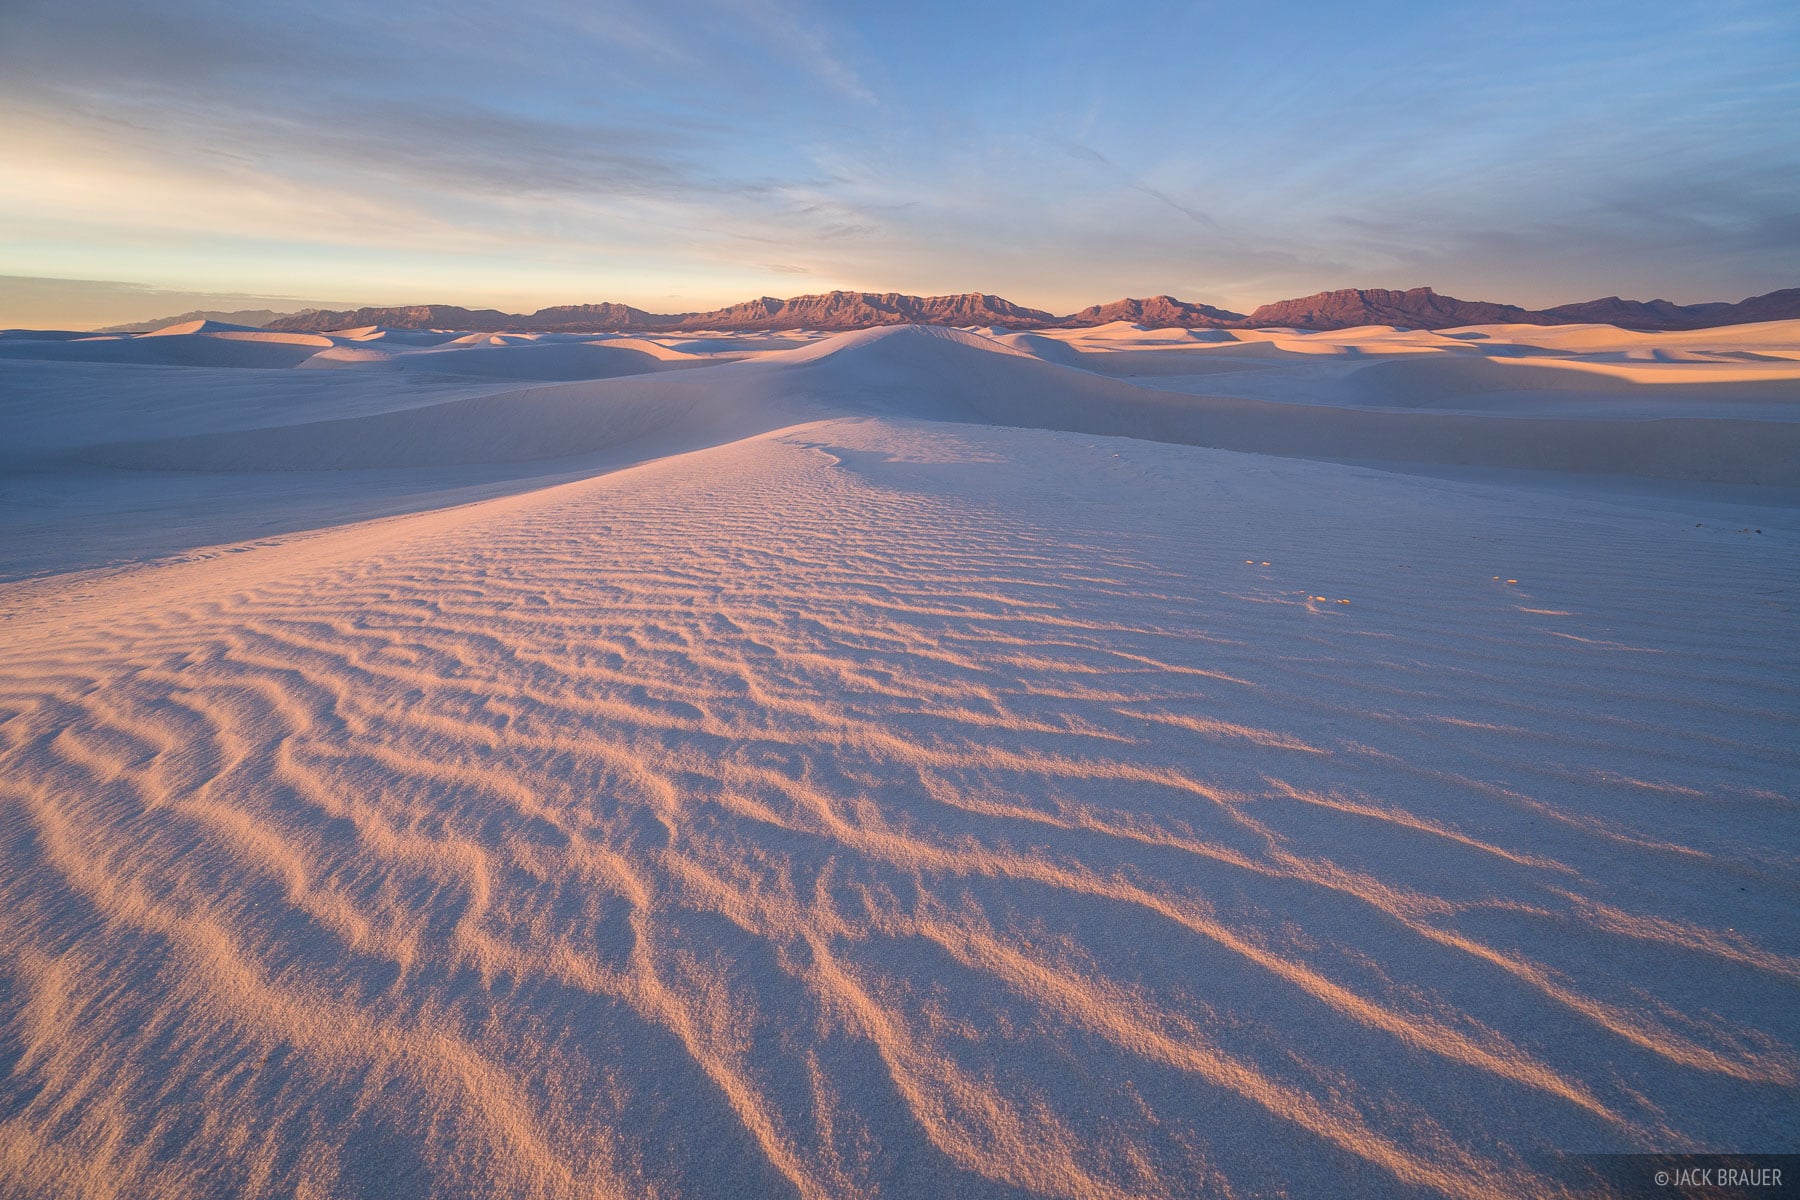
883,807
947,374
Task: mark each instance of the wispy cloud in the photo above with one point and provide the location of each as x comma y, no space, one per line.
1085,153
804,40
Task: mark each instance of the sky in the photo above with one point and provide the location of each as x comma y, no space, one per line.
199,154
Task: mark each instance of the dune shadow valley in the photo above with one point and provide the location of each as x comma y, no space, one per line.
990,760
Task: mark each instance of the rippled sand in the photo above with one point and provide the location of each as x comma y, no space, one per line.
883,807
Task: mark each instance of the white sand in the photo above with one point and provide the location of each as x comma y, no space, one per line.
854,798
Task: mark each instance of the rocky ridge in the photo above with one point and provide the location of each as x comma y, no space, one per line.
1414,308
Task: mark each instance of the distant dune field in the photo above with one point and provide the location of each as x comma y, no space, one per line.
914,763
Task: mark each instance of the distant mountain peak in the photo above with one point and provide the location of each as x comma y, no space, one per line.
1158,311
249,317
1414,308
405,316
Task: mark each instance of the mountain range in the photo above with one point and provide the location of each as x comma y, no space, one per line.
1422,308
242,316
1415,308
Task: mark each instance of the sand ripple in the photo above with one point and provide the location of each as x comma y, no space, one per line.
778,820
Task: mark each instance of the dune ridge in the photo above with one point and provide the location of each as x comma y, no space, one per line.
946,374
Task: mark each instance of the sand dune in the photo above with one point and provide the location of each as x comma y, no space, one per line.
1663,368
406,337
43,335
210,344
201,326
1590,339
165,348
936,377
1467,411
548,361
494,357
1056,350
1507,386
53,410
679,354
854,796
516,425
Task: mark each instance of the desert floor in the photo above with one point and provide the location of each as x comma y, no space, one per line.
913,763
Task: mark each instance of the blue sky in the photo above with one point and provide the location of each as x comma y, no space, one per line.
684,156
